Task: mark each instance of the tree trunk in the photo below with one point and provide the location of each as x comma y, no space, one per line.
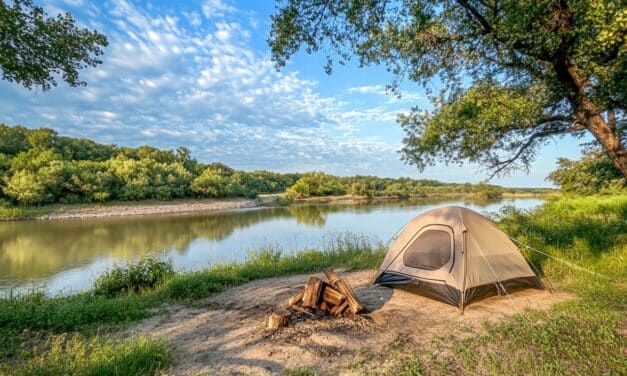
610,141
589,115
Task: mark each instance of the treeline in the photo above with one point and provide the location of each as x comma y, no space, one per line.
318,184
37,166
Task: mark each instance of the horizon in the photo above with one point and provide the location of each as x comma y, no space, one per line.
199,76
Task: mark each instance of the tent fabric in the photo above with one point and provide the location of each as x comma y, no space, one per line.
455,255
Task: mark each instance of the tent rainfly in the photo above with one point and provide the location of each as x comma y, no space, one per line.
457,256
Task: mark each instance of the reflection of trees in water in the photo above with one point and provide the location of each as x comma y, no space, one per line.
37,249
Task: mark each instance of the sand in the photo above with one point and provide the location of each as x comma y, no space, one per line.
227,337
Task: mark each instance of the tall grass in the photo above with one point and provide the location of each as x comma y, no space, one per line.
348,251
77,355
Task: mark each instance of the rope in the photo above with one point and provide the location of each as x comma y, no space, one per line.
498,280
574,266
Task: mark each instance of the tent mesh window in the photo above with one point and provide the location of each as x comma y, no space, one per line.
430,250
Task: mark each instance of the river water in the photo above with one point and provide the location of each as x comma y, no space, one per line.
65,256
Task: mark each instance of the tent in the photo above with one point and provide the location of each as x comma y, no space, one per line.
457,256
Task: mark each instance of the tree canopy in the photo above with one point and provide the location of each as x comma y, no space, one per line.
516,73
36,48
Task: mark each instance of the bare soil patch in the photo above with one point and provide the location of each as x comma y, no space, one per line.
229,338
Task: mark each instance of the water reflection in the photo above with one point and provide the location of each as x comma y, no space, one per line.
67,255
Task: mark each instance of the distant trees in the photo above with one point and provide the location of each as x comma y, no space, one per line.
593,173
37,166
319,184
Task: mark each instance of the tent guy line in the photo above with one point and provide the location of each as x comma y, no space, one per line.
574,266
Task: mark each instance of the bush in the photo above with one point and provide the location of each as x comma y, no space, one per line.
144,274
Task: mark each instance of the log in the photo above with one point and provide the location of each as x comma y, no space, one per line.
302,310
278,319
312,293
341,308
295,299
324,306
345,288
332,296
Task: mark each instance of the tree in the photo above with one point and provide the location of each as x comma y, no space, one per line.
516,72
34,48
593,173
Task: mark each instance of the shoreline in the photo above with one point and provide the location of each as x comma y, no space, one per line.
148,208
182,206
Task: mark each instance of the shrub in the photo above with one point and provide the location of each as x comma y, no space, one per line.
146,273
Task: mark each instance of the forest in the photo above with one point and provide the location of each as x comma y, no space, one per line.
39,166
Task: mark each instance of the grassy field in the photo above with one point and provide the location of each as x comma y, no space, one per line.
71,335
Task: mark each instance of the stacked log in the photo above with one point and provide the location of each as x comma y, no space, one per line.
334,297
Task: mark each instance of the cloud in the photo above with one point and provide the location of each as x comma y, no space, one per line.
216,8
171,79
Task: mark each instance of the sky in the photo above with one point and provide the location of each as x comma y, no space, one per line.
198,74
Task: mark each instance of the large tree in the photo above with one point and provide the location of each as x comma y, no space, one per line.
515,73
35,48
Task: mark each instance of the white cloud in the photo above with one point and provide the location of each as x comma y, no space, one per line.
172,79
216,8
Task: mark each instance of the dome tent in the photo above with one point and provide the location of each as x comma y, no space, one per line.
455,255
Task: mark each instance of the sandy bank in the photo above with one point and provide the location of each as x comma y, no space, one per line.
149,208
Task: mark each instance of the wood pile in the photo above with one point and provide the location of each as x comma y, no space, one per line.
334,297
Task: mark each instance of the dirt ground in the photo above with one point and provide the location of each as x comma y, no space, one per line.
229,338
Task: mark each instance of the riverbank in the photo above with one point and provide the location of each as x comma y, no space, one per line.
170,328
151,207
125,209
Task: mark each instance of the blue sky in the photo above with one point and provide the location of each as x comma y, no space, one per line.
198,74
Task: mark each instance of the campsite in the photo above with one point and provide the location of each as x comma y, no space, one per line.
313,187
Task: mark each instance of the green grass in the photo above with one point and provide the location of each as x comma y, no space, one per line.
23,212
77,355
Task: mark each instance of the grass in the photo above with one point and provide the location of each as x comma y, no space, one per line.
23,212
77,355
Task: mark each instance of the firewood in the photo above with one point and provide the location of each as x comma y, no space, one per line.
332,296
278,319
306,311
295,299
324,306
345,288
312,293
340,309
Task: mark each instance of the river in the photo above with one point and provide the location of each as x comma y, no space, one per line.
65,256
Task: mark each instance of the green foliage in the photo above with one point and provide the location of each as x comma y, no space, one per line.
320,184
346,251
36,49
145,273
77,355
316,184
514,74
37,166
593,173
